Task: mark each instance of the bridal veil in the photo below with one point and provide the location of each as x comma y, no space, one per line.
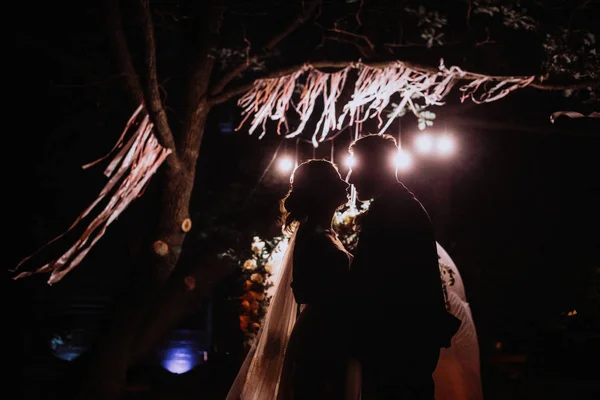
259,375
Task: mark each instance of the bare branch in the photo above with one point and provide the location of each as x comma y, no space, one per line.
407,44
196,108
575,85
364,51
154,104
538,83
300,19
122,56
362,37
360,8
232,74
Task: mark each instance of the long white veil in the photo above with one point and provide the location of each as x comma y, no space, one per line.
457,375
259,375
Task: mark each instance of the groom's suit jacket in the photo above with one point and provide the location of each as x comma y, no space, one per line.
396,290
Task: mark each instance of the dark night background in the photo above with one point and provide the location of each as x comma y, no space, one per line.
516,208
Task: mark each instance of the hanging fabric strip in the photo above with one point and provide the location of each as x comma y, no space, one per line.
373,89
129,172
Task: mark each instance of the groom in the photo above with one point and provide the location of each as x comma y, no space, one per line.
399,319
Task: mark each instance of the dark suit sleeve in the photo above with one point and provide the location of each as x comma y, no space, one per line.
397,261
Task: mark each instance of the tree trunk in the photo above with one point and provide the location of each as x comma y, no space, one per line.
184,291
111,358
106,375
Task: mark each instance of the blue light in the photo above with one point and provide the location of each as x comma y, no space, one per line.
180,360
184,351
226,127
68,346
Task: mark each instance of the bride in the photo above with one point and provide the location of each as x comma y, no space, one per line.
301,350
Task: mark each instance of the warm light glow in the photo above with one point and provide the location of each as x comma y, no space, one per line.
445,145
285,164
424,143
403,160
350,161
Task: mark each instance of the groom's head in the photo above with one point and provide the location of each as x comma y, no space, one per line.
373,169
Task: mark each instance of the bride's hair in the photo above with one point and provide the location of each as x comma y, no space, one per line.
306,192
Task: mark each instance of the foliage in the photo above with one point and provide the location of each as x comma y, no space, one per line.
560,30
425,117
551,41
346,223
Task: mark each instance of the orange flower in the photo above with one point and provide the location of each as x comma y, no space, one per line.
247,296
255,326
244,321
258,296
190,282
246,305
247,285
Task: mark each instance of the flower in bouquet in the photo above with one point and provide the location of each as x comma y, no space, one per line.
257,245
249,265
256,277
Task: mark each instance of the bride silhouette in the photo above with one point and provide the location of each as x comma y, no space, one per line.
303,352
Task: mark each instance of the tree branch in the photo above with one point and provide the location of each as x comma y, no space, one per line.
355,35
300,19
575,85
152,91
538,83
196,107
366,52
121,54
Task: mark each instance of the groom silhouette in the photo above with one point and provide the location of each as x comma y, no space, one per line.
398,316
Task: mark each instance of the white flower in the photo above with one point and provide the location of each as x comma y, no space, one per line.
257,245
249,265
258,278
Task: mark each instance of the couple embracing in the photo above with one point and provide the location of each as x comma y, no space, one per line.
342,326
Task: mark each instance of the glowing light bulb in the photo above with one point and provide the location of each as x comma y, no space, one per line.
424,143
446,145
285,164
350,161
402,160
